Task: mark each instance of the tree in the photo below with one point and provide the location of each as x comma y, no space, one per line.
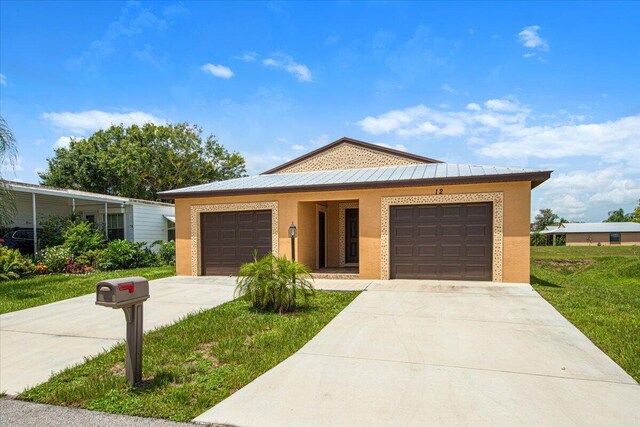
8,153
619,216
140,161
636,213
544,218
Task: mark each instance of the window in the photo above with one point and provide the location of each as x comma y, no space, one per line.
171,231
614,238
90,218
115,224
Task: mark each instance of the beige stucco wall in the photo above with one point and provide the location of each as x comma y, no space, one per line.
300,209
592,239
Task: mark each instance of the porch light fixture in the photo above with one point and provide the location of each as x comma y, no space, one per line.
293,233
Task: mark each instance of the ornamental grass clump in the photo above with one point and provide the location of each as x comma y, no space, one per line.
275,283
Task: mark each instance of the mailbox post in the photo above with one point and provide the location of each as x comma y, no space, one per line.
128,294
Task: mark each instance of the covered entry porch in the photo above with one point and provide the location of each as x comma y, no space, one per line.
329,238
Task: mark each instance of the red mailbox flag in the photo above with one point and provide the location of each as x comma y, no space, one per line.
127,287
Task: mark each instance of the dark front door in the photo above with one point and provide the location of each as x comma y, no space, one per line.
351,236
448,242
322,241
229,239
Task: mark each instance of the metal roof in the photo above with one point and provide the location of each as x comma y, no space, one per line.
594,227
82,195
406,175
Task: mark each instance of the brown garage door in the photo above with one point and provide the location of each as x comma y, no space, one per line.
229,239
447,242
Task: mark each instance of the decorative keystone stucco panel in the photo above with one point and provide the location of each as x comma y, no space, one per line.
496,198
342,239
196,210
348,156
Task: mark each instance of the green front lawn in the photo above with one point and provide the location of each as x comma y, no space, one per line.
194,364
598,290
38,290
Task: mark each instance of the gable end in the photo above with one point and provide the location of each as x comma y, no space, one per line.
347,153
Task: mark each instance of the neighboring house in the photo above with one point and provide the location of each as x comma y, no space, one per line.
131,219
383,212
596,233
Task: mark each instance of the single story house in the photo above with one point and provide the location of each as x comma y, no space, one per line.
596,233
362,208
120,217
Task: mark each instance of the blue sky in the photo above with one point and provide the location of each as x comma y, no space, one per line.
543,85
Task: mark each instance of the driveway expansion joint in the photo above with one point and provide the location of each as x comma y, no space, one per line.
457,319
470,368
62,335
477,294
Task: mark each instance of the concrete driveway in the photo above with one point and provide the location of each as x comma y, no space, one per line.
38,341
415,353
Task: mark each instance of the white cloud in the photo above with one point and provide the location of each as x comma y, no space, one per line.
423,121
530,38
39,141
502,130
573,194
63,142
398,147
614,140
217,70
92,120
298,147
320,141
3,80
247,57
444,106
445,87
299,71
394,120
503,106
529,55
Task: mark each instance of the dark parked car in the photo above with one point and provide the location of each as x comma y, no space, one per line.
20,239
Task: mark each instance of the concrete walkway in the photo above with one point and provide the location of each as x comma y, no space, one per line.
38,341
415,353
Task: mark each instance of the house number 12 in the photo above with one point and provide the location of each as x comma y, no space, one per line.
439,190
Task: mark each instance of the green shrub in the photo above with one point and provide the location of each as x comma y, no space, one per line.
82,237
166,251
275,283
538,239
89,258
50,231
14,265
122,254
55,258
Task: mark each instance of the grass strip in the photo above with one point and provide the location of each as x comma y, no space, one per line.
192,365
38,290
